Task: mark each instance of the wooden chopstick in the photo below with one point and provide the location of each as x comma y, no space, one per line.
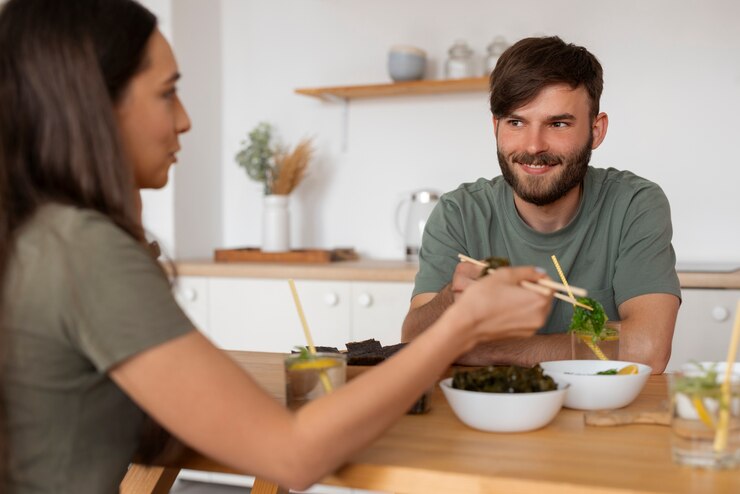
465,258
545,291
581,292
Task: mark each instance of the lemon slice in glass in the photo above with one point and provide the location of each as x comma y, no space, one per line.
314,364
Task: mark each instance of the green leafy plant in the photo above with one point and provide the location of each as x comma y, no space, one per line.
265,161
303,352
702,382
588,322
608,372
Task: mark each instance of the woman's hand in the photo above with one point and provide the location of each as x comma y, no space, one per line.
500,308
465,275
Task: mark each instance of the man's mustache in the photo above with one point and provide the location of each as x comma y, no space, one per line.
537,159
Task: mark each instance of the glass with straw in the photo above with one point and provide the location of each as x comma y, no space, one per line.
309,374
705,411
591,334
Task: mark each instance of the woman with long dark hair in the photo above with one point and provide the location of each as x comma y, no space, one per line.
92,340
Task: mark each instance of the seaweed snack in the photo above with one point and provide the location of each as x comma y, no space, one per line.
389,351
494,263
367,352
504,379
371,352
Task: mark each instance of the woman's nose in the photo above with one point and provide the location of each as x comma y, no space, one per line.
182,120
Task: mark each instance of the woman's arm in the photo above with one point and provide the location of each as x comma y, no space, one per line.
202,397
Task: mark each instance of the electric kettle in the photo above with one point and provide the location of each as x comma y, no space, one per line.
417,205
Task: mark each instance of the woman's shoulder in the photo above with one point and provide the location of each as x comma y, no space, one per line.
70,234
68,224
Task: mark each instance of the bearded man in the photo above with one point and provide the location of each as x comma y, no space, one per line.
610,230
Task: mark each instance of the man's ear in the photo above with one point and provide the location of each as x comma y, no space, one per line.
599,128
495,125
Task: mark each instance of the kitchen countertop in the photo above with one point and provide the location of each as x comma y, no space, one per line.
388,270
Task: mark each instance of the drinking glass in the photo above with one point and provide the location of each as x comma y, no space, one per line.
695,414
307,378
586,347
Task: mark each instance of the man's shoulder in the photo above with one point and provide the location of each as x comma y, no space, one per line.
483,188
620,181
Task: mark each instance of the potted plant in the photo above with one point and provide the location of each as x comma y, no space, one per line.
280,170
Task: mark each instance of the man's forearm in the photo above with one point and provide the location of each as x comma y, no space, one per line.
524,352
419,319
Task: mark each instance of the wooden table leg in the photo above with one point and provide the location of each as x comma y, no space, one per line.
263,487
141,479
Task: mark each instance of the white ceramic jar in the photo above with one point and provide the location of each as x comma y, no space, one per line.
275,224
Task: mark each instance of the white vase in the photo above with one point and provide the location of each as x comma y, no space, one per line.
275,224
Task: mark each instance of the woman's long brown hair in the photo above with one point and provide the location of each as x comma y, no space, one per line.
63,67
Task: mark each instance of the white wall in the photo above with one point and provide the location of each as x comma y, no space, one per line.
672,90
159,207
198,219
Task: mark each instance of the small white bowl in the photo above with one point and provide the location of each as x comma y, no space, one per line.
504,412
589,391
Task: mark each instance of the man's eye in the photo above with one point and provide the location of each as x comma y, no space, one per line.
515,123
560,125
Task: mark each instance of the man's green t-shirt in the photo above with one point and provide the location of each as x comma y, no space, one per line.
80,296
618,245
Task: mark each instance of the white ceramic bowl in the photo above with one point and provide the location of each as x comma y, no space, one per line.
589,391
503,412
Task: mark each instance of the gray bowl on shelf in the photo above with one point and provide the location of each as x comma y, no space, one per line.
406,63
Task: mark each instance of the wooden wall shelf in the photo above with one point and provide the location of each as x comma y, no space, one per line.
398,89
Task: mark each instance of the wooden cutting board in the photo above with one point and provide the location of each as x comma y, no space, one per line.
309,256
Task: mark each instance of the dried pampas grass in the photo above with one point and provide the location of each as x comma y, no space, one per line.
290,168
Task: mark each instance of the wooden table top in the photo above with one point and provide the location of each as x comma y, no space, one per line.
436,453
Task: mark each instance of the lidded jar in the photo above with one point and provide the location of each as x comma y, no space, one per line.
495,49
460,63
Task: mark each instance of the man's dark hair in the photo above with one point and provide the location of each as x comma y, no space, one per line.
531,64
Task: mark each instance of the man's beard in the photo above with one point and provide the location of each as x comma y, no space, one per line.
537,189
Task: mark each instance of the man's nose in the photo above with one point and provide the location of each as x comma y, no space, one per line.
535,141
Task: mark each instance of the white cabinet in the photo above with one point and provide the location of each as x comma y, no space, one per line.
704,326
191,292
259,314
378,310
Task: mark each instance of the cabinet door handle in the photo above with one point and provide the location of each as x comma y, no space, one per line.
331,299
190,294
720,313
365,299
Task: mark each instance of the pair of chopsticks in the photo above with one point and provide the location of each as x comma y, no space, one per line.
543,286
